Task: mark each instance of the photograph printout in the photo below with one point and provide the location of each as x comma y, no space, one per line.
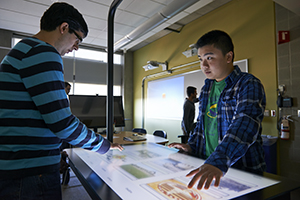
150,171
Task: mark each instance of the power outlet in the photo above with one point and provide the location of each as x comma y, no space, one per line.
267,113
298,113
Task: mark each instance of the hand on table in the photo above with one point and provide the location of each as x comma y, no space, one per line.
182,147
116,146
205,174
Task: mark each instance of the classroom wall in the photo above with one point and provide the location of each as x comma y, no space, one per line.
289,74
250,23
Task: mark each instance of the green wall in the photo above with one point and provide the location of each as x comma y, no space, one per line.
250,23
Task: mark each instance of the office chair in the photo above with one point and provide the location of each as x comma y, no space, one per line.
160,133
139,130
184,138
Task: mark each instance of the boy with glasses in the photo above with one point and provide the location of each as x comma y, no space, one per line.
35,117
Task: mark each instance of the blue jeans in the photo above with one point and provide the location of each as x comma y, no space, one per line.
38,187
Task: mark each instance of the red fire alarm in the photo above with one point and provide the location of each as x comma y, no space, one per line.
283,36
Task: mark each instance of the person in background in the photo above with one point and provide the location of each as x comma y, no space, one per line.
189,111
231,108
67,87
65,144
64,166
35,116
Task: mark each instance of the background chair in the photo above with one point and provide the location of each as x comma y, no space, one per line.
139,130
184,138
160,133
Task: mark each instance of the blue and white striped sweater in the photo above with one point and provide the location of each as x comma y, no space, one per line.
34,112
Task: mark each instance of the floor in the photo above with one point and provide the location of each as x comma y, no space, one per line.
74,190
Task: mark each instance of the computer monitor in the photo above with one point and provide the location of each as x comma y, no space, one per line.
91,110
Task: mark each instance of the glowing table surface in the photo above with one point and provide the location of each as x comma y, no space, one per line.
151,171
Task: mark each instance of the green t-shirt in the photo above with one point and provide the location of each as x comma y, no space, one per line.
210,118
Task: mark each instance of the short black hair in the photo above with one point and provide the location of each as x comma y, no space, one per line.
219,39
67,84
190,90
61,12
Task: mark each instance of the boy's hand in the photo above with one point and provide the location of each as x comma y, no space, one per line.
205,174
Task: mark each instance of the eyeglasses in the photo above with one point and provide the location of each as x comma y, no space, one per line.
78,37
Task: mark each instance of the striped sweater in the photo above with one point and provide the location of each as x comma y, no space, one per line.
35,116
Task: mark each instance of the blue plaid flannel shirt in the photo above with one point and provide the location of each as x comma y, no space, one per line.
240,112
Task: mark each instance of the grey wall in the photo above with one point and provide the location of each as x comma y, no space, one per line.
89,71
288,66
5,42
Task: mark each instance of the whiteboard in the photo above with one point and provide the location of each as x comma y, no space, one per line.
243,64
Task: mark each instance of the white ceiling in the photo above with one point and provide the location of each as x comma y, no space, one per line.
23,16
